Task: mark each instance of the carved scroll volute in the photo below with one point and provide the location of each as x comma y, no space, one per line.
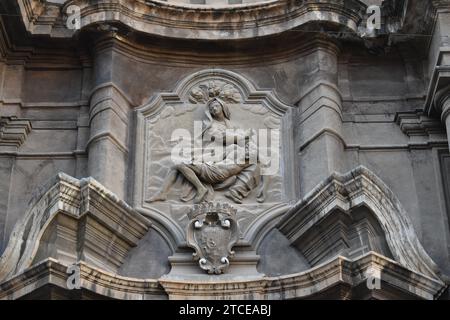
212,232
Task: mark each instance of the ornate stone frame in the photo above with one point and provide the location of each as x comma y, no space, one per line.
174,234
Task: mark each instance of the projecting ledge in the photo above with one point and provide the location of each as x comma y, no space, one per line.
365,277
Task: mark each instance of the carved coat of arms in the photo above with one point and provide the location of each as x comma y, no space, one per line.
212,232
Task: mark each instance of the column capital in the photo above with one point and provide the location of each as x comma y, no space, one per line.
442,102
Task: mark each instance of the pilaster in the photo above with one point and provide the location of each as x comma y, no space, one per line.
318,123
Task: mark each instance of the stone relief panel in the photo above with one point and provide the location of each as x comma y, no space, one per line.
214,139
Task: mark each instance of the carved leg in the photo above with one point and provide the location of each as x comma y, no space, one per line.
262,191
170,180
190,175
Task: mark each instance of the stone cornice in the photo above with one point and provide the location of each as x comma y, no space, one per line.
418,124
345,19
213,22
40,17
338,272
274,51
51,54
309,283
53,272
194,22
8,51
13,132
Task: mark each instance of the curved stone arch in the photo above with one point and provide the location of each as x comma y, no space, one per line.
361,187
250,95
169,230
249,92
196,21
263,225
28,231
100,224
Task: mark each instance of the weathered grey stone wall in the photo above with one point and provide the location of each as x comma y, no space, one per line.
50,97
81,108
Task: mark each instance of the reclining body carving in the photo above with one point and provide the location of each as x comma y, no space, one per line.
239,175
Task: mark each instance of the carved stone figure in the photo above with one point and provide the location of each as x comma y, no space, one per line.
239,176
212,232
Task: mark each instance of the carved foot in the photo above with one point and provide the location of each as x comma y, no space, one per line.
201,193
234,197
158,197
261,197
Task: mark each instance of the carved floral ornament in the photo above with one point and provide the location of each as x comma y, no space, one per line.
207,91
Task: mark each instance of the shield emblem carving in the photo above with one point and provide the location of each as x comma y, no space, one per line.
212,232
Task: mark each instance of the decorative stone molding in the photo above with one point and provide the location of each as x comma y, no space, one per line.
98,281
73,220
440,81
212,21
342,234
13,132
418,124
184,105
349,276
442,102
214,89
202,22
163,53
39,17
439,56
346,192
340,271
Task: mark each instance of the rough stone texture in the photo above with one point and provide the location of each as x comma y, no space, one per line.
148,259
364,117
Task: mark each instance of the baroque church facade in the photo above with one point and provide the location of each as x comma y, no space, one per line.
339,183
